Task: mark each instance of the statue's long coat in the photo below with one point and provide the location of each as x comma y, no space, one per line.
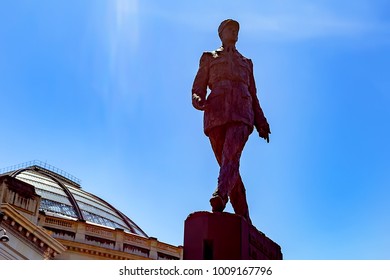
232,98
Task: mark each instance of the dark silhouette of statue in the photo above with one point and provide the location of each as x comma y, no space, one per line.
231,110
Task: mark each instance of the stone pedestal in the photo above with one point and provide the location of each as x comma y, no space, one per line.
226,236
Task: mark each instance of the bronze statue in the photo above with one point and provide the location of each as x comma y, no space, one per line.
231,110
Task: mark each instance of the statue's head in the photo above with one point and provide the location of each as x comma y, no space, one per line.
228,31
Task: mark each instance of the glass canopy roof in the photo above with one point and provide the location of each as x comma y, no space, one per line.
62,197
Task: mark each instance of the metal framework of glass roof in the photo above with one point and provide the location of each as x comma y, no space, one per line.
62,195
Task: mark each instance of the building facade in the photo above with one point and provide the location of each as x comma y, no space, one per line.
47,215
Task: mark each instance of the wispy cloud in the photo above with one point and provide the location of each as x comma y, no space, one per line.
311,22
287,21
124,25
118,27
123,41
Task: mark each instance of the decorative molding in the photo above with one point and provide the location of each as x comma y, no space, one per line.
33,234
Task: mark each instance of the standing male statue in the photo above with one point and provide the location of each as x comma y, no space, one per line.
231,110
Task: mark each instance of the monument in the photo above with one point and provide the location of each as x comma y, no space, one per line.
231,111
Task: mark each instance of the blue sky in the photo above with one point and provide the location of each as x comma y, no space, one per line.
102,90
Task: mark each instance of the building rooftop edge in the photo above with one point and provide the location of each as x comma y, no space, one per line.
43,165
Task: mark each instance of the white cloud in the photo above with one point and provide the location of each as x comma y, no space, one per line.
119,28
310,22
124,13
123,30
282,20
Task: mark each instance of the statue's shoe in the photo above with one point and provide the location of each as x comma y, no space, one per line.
217,204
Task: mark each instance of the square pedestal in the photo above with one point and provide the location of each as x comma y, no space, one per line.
226,236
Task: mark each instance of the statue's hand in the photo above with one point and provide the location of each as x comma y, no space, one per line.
197,102
264,131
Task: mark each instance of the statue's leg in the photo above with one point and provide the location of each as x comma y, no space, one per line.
238,200
229,176
237,194
217,139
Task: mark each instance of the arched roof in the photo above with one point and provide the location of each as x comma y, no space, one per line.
62,196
